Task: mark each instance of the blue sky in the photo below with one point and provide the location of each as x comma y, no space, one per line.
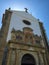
38,8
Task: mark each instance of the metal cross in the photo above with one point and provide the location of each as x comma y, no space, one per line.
26,10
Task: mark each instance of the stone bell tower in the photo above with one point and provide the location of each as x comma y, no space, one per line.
22,39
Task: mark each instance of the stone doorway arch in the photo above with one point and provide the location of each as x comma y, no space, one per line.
28,59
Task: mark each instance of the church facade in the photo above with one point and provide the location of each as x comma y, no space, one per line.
22,40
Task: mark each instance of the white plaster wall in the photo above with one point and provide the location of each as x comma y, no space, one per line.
17,24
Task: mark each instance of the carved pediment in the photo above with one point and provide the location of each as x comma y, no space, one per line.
27,30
